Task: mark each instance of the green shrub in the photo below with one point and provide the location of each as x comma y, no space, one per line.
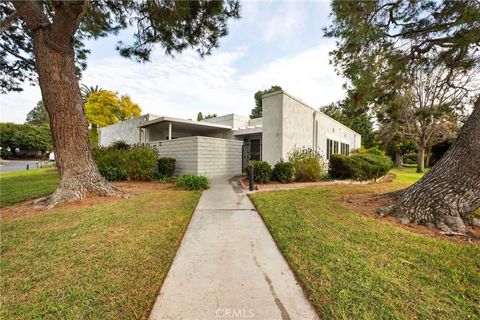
373,150
308,164
262,171
158,177
359,166
283,172
113,174
410,158
166,166
120,145
141,162
192,182
138,162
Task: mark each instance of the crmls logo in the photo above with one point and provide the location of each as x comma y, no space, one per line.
230,313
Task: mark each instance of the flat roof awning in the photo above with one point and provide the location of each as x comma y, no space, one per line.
187,125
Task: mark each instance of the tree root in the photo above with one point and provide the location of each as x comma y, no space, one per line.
74,190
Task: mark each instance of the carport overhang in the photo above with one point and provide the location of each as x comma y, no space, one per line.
186,125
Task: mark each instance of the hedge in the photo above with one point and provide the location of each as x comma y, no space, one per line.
166,166
308,164
136,163
359,166
192,182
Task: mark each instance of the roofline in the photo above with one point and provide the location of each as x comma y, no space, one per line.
178,120
308,106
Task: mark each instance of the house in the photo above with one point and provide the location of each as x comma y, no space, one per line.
223,145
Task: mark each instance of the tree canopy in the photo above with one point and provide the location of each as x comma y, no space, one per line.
175,25
378,42
201,117
257,112
25,137
38,115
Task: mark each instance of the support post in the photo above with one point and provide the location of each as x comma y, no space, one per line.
250,177
169,131
28,166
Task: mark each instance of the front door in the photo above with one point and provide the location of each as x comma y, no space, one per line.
255,149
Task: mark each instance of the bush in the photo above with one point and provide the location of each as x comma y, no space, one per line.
138,162
120,145
262,171
113,174
158,177
308,164
192,182
166,166
410,158
359,166
283,172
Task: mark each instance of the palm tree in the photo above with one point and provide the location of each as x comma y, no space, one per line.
86,91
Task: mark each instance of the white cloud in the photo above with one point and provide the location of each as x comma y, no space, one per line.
188,84
289,19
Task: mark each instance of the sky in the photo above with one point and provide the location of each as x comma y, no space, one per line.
274,43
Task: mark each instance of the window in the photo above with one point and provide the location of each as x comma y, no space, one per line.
335,147
329,148
345,148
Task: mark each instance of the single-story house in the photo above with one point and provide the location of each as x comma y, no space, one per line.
222,146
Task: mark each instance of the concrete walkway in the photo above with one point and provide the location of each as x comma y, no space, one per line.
228,266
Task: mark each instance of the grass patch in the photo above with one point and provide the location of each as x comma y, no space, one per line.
28,184
97,262
407,174
357,267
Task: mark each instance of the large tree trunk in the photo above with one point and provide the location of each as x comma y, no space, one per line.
449,193
68,124
421,159
398,159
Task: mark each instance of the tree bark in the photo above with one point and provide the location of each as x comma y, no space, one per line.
448,195
68,123
398,159
421,159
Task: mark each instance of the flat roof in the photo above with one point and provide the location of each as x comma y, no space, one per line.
183,124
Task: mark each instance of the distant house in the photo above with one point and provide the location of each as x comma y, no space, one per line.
223,145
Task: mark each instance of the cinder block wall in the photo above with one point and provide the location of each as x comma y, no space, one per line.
211,157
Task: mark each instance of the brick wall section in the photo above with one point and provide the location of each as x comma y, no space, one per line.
211,157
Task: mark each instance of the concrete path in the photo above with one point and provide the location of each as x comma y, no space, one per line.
228,266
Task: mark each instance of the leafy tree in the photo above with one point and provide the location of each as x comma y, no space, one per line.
105,108
201,117
380,42
46,39
38,115
359,121
25,137
257,112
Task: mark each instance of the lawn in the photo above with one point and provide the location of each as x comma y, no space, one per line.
356,267
24,185
102,261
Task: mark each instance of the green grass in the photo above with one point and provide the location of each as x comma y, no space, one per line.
24,185
105,261
356,267
407,174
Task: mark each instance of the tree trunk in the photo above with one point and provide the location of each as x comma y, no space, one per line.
447,196
421,159
68,123
398,159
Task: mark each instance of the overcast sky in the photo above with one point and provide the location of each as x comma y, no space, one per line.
274,43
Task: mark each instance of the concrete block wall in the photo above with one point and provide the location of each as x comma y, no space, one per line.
210,157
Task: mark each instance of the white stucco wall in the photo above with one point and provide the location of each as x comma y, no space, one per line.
211,157
127,131
289,123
